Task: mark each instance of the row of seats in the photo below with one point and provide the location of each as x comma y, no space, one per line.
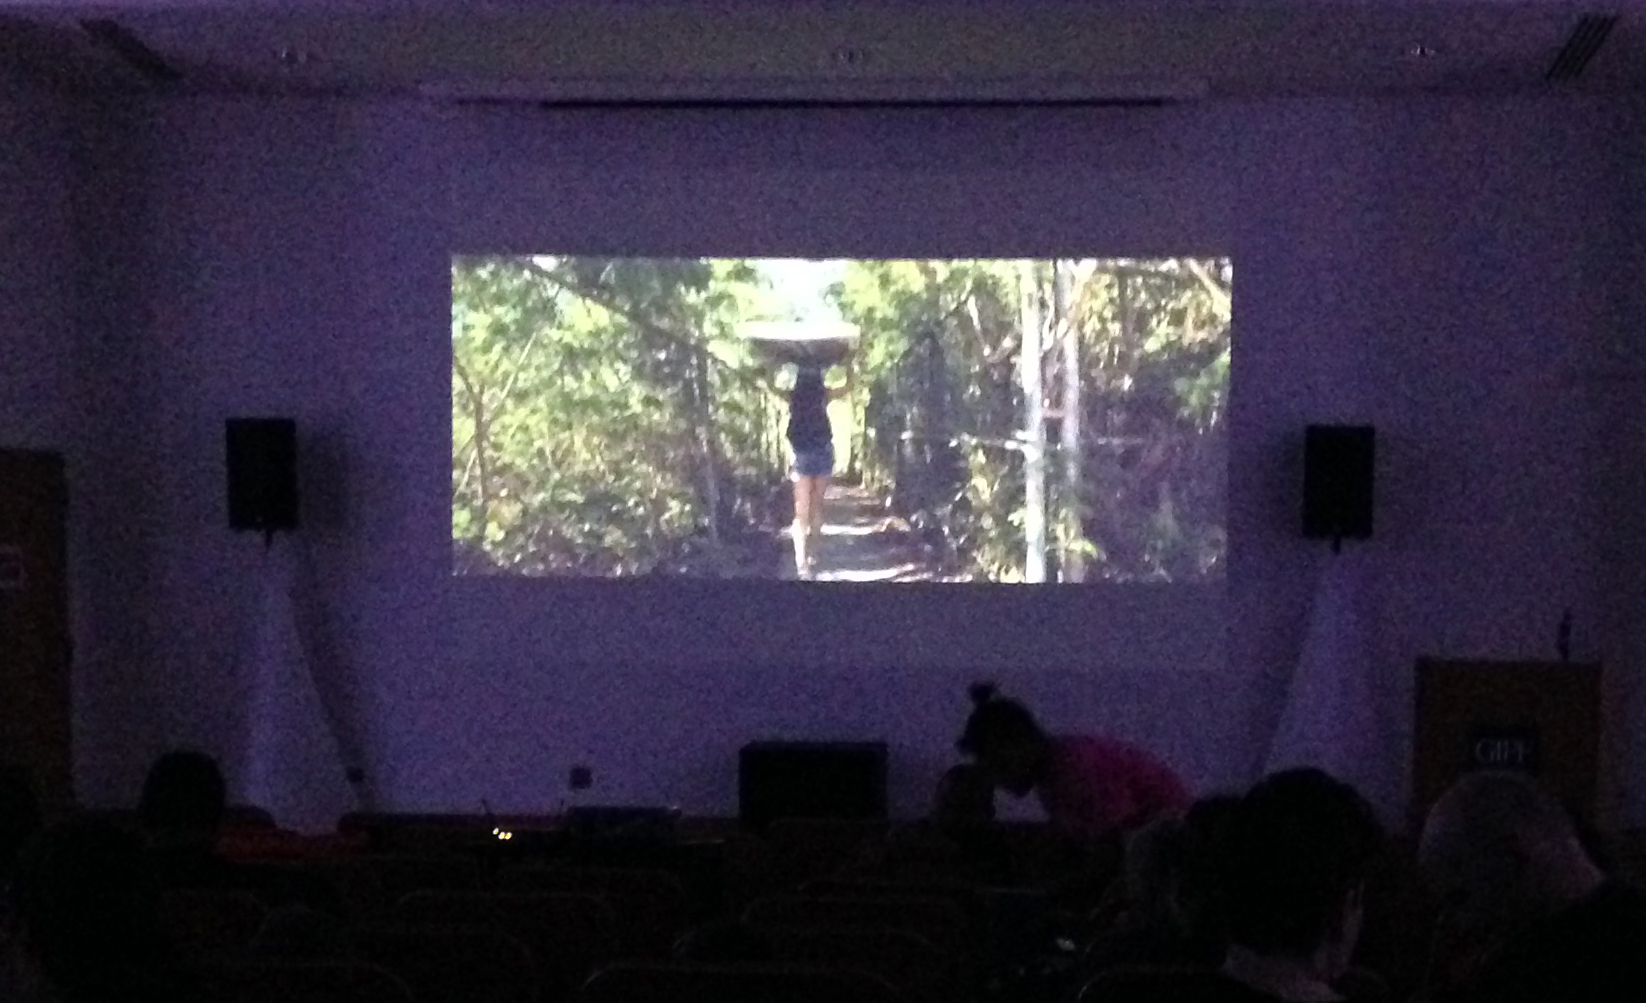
527,946
1146,984
779,858
420,966
916,935
323,982
677,983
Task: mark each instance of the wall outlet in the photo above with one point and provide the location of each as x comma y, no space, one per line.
581,778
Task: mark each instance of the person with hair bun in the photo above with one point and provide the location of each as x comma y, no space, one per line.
1089,786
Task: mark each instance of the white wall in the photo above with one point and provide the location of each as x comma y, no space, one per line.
1432,266
59,387
72,331
37,270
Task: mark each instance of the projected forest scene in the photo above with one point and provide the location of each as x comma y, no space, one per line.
1054,420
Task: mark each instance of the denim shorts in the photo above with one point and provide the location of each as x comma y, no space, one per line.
814,462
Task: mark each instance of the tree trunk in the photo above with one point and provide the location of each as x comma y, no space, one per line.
1032,372
1072,561
705,440
482,462
1123,291
508,387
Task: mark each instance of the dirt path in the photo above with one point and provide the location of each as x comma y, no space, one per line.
864,543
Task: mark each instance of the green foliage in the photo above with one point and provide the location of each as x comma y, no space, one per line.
606,420
945,413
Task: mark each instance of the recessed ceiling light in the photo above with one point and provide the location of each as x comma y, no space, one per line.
1420,51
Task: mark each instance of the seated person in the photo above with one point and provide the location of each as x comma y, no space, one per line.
1536,917
84,923
963,801
1205,838
19,815
1152,927
958,837
181,812
1299,848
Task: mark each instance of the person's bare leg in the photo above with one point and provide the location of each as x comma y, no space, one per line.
802,522
814,525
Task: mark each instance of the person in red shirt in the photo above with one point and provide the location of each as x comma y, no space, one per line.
1089,786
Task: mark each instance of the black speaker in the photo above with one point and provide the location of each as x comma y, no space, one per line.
262,466
841,780
1339,463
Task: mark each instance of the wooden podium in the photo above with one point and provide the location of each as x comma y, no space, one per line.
1544,718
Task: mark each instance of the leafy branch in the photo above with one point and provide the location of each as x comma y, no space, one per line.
609,302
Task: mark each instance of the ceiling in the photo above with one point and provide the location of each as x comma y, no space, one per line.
683,50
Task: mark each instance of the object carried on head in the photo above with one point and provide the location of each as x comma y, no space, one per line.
802,342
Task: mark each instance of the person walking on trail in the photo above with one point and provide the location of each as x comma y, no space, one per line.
812,442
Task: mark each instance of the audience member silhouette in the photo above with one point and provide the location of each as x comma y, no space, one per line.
84,922
1153,927
1171,893
1299,848
1536,915
20,816
963,800
958,837
181,812
1200,892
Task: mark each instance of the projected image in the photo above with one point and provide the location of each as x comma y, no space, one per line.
840,421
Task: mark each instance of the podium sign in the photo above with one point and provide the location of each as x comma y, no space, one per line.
1543,718
1493,748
